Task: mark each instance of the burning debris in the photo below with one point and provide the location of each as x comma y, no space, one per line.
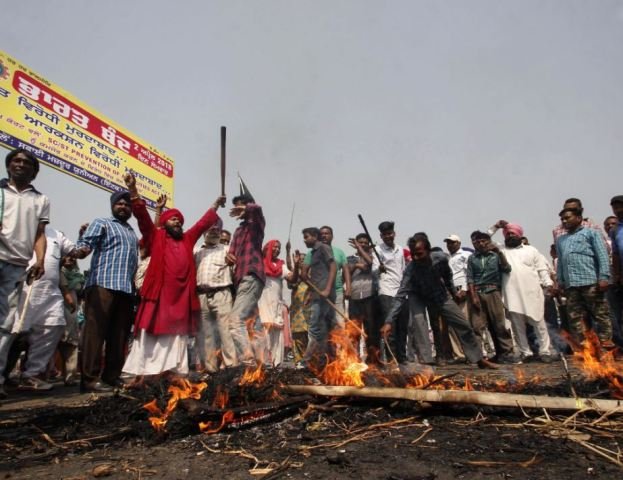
290,408
238,397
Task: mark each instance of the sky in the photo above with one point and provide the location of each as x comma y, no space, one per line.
443,116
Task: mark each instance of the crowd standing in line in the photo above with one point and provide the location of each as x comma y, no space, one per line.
163,305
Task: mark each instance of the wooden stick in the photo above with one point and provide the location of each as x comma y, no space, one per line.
372,244
568,375
223,159
331,304
492,399
291,220
20,322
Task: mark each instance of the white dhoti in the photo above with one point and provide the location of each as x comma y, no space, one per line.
155,354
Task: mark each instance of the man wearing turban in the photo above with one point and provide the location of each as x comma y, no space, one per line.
109,294
169,307
522,290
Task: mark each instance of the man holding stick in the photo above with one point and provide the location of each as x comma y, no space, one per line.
24,212
430,280
389,264
319,273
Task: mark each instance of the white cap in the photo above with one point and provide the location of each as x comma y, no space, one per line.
452,238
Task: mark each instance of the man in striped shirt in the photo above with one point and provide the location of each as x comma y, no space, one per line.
583,271
109,294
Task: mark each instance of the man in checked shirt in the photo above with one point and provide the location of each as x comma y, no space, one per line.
245,254
583,271
214,287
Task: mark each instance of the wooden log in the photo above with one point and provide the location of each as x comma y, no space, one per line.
492,399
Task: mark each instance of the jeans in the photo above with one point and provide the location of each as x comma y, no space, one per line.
244,309
320,322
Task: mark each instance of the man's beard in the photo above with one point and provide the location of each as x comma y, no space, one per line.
512,242
176,232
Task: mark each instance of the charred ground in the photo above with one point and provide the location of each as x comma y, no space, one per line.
274,435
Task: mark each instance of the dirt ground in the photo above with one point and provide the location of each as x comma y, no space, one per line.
64,434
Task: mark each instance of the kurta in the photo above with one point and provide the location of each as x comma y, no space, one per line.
46,304
172,312
273,312
271,302
522,287
172,308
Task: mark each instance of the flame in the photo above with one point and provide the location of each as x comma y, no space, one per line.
346,368
179,390
207,427
599,364
253,375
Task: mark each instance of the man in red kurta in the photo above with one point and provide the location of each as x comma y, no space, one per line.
169,307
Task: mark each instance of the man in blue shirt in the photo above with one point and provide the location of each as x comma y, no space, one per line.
109,294
583,271
615,292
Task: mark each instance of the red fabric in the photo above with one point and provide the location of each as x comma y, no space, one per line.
169,214
246,245
272,269
169,302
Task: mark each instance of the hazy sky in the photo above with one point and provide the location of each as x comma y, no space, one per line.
443,116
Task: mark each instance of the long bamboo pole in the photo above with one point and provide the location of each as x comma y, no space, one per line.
493,399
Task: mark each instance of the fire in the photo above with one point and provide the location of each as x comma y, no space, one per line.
208,427
253,375
179,390
347,368
598,364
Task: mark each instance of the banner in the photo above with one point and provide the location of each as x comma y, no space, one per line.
71,137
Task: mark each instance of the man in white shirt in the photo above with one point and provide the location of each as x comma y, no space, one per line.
389,274
458,264
24,212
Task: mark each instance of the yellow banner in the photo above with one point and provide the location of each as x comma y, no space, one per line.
71,137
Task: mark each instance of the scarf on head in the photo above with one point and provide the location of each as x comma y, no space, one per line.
118,196
272,269
512,228
169,214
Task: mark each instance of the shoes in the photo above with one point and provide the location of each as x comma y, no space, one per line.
547,358
457,361
34,384
440,362
529,359
300,366
608,345
3,393
484,363
116,383
95,387
70,380
509,360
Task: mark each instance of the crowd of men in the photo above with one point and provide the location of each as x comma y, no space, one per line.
161,305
